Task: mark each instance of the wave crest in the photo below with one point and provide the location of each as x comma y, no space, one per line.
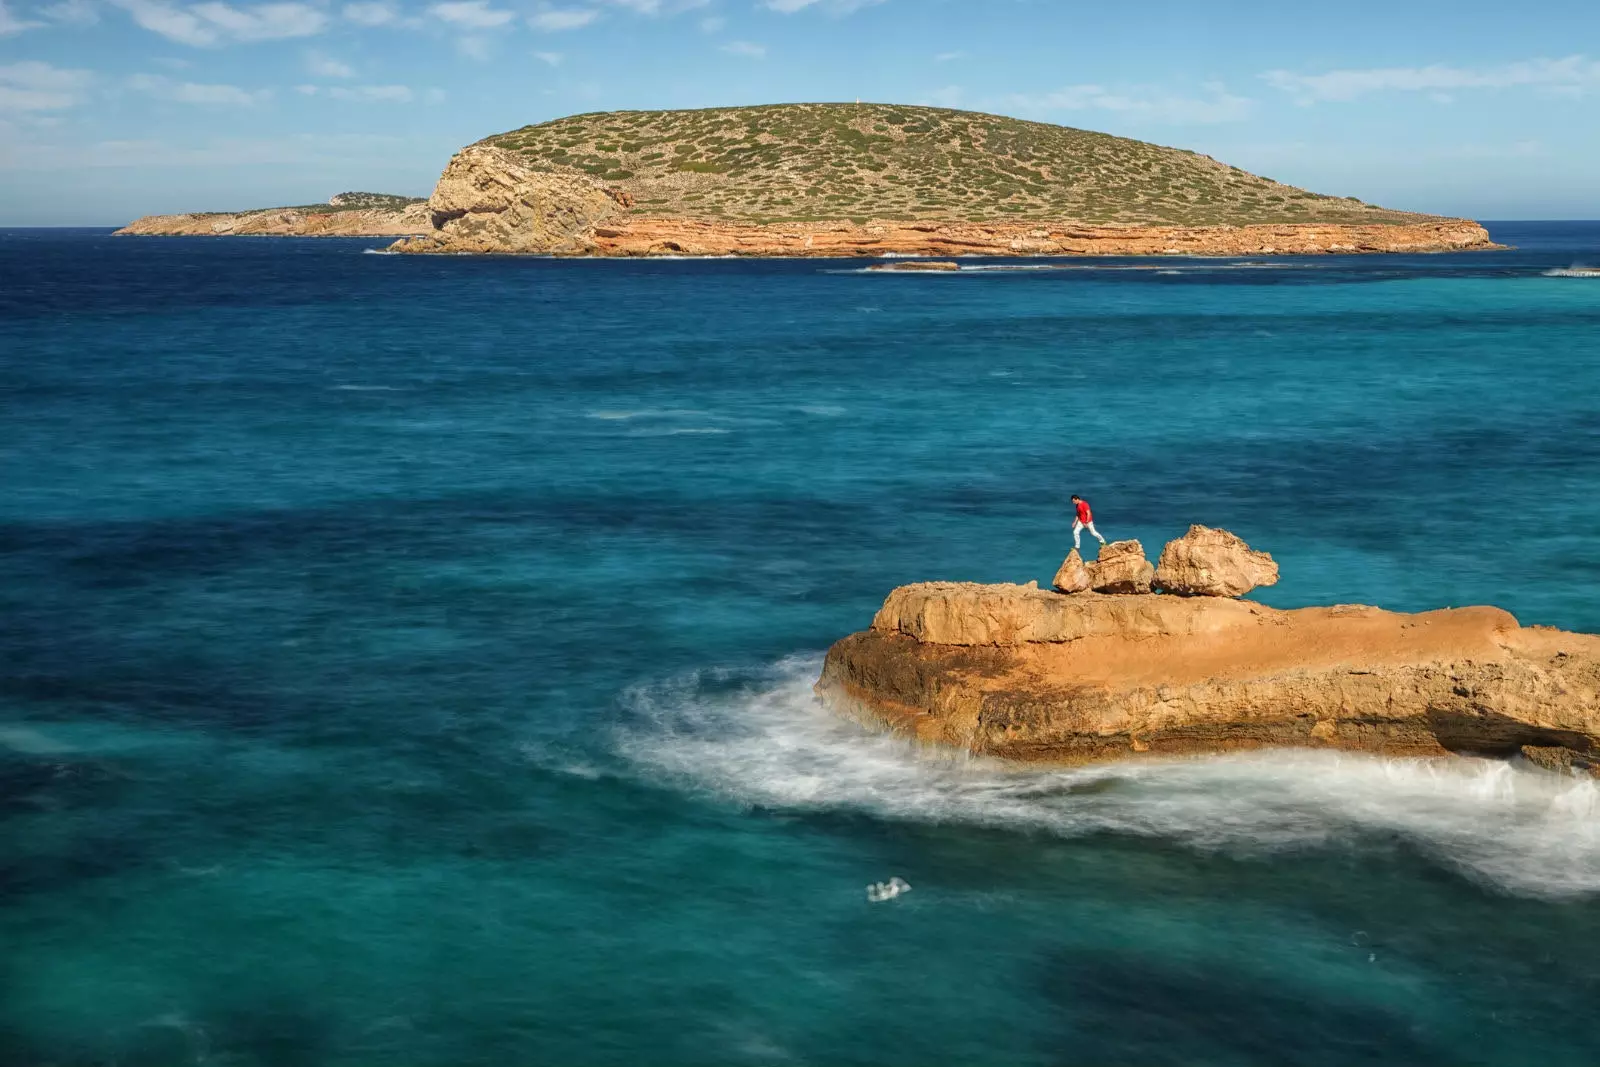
763,739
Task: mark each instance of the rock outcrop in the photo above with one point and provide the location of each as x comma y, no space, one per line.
1072,576
1207,562
1023,673
413,218
638,234
489,200
1121,568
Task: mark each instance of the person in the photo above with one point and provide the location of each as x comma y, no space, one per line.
1084,519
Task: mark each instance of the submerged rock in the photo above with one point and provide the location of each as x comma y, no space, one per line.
1028,674
1072,576
1121,568
1207,562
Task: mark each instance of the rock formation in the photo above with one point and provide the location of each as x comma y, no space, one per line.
1023,673
1073,576
488,200
1207,562
1121,568
638,234
411,218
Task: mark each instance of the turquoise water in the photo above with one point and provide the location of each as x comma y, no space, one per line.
407,661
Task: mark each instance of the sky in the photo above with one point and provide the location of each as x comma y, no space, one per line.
111,109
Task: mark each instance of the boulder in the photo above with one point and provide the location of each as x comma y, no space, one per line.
1028,674
1207,562
1121,568
1073,577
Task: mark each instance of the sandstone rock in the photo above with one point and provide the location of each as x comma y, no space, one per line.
642,235
1121,568
1032,675
1563,760
1207,562
489,200
967,614
1073,576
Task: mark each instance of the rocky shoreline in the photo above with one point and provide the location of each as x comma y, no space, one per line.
1113,670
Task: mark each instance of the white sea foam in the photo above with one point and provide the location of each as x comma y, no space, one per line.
773,745
645,413
367,389
675,431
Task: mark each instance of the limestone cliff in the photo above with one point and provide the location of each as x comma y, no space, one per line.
1029,674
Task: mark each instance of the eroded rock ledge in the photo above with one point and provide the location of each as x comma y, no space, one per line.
489,200
1024,673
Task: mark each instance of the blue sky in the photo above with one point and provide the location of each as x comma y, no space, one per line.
111,109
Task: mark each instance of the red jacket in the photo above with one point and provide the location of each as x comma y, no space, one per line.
1085,516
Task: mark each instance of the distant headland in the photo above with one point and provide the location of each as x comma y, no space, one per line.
843,180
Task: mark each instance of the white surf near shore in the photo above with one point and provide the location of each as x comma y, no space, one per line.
773,744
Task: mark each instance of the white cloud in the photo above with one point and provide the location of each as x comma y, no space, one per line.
11,24
549,58
712,24
1155,105
657,7
749,49
948,96
473,14
324,66
555,19
34,86
373,94
1569,76
71,12
945,57
196,93
203,25
833,7
475,47
370,13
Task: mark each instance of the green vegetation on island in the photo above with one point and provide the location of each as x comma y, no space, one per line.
802,162
352,201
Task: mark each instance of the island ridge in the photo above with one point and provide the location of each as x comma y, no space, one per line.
855,180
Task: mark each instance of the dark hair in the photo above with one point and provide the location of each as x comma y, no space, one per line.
1075,496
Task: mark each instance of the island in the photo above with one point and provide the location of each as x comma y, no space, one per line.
1125,659
352,214
851,180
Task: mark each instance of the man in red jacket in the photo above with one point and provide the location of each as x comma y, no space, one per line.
1084,518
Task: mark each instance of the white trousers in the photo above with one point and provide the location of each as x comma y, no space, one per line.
1077,533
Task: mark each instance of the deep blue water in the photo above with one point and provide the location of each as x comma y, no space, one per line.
406,661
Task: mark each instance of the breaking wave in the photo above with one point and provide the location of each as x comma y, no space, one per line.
763,739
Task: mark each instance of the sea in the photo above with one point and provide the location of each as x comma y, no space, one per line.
407,661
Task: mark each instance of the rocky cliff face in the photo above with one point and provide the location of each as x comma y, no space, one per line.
1024,673
289,222
492,200
488,200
